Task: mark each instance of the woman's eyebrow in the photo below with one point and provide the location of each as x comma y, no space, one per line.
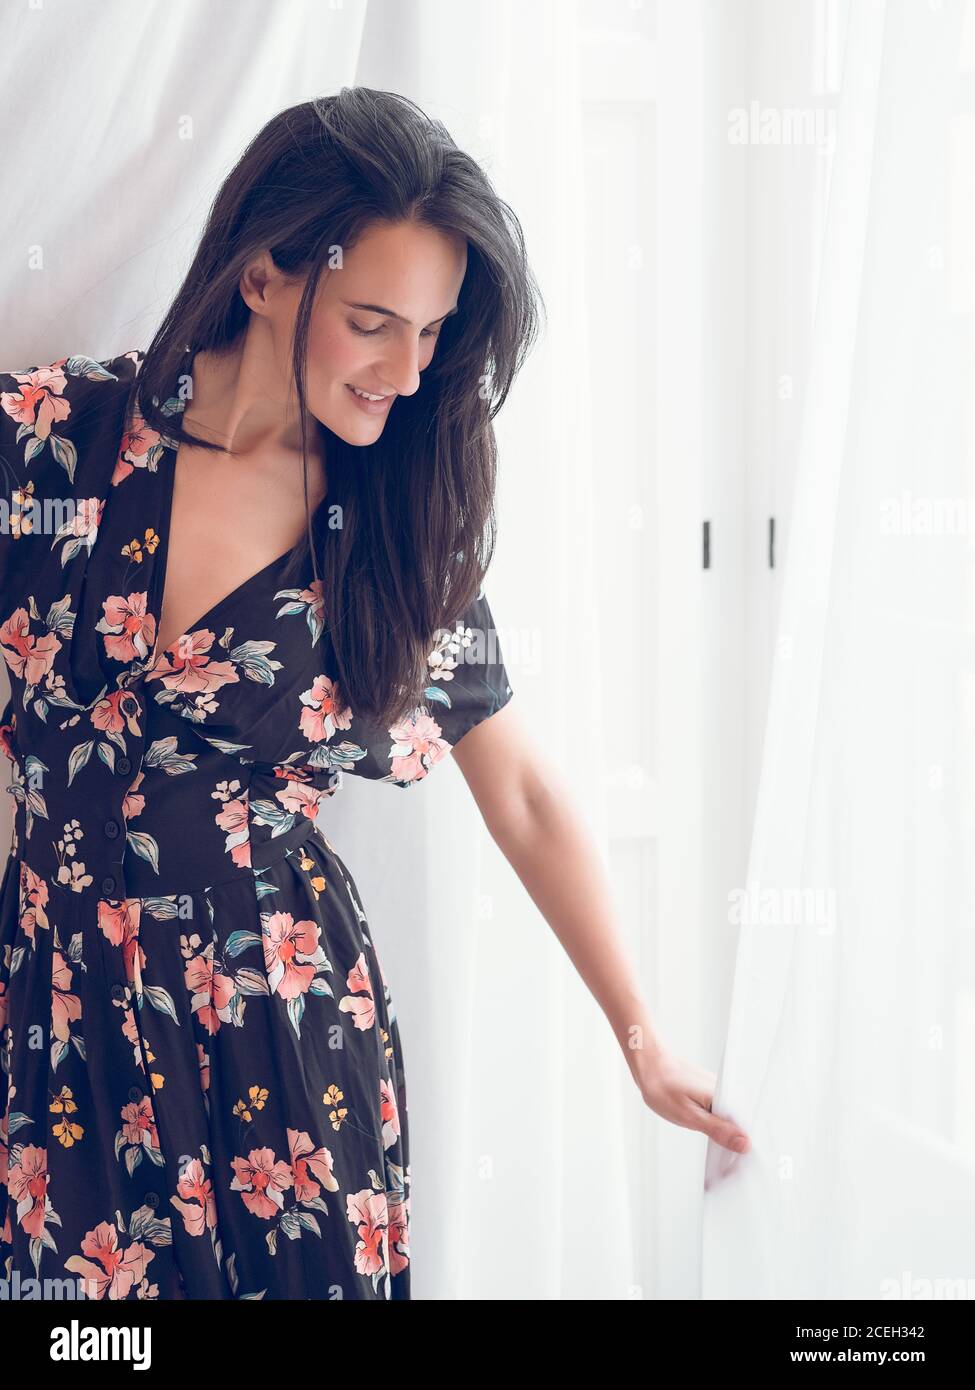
391,313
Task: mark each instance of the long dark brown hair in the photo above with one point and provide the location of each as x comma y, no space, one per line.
417,506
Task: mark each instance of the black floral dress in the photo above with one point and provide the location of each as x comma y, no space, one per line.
202,1089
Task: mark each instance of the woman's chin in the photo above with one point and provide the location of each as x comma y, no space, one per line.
357,432
360,438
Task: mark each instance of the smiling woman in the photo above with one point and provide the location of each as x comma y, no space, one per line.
280,516
170,912
355,248
220,1104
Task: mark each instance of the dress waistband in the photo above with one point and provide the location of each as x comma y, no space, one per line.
142,881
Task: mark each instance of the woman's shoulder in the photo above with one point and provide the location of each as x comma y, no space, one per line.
63,424
51,411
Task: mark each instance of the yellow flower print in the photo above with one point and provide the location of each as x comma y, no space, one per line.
156,1079
22,520
67,1132
134,550
338,1113
317,881
256,1100
63,1102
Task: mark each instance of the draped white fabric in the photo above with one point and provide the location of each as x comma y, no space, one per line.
848,1056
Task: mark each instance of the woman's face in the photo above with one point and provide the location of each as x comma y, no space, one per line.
374,324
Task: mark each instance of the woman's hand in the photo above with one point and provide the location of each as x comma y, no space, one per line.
681,1092
530,814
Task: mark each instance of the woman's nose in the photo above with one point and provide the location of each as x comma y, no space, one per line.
400,368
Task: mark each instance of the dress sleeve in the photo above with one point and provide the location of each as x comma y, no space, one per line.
49,421
468,683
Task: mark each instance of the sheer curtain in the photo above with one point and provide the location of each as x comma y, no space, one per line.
849,1048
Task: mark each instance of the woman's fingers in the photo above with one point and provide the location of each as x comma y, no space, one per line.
683,1093
717,1127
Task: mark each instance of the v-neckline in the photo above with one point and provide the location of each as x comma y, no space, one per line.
168,465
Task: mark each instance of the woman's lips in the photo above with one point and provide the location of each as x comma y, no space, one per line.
371,407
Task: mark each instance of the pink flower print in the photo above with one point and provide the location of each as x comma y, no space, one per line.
134,802
30,658
301,799
398,1218
3,1022
115,712
120,924
33,900
185,667
40,402
211,990
110,1271
417,745
129,630
362,1009
81,528
261,1179
367,1210
65,1007
27,1183
139,1123
291,774
309,1163
286,944
137,442
324,710
131,1034
388,1113
196,1202
85,522
7,740
233,819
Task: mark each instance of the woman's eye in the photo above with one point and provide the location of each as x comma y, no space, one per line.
368,332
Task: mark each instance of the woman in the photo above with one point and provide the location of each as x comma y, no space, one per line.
237,565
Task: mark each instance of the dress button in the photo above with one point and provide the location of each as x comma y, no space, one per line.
112,828
123,765
118,992
108,885
152,1199
135,1093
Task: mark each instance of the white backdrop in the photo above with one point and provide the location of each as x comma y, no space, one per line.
849,1053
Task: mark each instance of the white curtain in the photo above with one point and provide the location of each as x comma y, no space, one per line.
848,1057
